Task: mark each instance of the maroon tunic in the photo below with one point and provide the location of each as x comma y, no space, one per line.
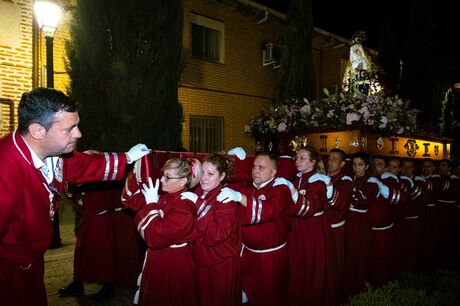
430,223
217,250
94,248
381,219
448,218
264,256
339,205
25,225
308,242
358,235
129,247
412,231
409,228
168,275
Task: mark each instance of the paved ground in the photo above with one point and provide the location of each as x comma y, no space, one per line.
59,270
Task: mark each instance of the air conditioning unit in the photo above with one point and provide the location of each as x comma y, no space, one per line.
271,55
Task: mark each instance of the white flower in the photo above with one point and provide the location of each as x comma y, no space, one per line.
282,127
365,112
351,117
400,131
306,109
383,122
330,113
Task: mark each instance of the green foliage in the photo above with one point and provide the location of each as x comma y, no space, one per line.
124,65
447,120
297,72
440,289
444,281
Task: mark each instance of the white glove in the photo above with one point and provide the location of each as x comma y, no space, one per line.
137,152
384,191
239,152
283,181
189,196
227,194
326,180
150,192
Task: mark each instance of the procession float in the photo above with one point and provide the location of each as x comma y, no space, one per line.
359,117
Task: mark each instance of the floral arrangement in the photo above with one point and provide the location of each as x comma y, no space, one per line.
385,115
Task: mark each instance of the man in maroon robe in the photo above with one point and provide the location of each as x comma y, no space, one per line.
265,229
34,171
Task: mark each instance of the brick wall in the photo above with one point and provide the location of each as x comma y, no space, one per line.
236,109
238,88
16,64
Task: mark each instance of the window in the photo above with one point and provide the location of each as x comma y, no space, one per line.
207,38
206,134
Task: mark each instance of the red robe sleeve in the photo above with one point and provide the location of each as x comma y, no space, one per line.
223,222
343,191
161,228
312,202
262,210
131,195
81,167
364,196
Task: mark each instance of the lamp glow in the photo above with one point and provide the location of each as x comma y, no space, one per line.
48,14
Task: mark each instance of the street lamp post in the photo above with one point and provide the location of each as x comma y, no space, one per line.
48,13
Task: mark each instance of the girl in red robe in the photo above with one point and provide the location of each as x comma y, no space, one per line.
218,244
357,229
308,241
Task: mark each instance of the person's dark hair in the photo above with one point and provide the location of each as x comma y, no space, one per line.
362,155
223,164
40,106
394,158
272,156
385,159
428,160
342,153
405,159
448,161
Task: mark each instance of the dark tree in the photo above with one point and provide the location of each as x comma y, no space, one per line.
124,65
297,72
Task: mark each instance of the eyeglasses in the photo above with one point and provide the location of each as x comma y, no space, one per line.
167,178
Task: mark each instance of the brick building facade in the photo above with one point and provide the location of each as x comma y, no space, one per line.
224,92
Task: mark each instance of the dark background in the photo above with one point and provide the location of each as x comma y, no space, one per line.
345,17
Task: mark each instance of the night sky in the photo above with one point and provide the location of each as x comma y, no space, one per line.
343,18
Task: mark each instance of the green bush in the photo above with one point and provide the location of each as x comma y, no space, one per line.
437,289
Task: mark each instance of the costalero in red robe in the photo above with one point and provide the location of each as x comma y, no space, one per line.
217,250
26,228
